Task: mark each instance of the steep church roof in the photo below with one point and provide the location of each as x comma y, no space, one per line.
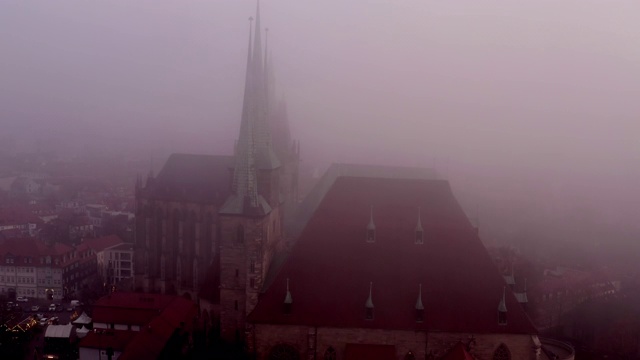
332,264
192,178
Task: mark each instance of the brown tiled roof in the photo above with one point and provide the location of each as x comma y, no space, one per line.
331,265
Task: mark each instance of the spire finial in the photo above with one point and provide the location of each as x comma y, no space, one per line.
369,303
419,305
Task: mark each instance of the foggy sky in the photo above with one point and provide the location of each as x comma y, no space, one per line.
504,97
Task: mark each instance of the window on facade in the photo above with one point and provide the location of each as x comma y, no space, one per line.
237,272
330,354
502,353
235,304
252,283
252,266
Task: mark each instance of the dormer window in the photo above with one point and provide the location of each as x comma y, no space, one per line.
502,309
419,233
368,306
419,306
371,228
371,235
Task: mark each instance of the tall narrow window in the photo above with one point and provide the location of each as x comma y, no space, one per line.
252,266
237,272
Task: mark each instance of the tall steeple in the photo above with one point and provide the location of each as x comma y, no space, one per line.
266,158
245,183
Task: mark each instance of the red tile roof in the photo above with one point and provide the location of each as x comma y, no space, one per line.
102,339
101,243
331,264
33,248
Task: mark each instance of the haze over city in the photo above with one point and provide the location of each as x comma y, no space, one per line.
535,99
529,110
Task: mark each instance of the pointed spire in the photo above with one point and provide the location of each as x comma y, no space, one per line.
419,305
369,303
371,228
244,176
502,307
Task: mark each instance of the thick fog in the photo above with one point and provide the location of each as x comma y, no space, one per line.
530,108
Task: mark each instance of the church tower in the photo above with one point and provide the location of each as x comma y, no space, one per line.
251,218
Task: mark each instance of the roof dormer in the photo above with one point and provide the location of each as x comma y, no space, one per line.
419,306
371,228
288,300
502,308
368,306
419,231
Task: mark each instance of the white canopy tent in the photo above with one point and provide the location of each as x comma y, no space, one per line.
82,332
83,319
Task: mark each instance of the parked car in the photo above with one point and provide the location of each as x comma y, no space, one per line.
52,307
40,316
35,308
69,309
43,321
22,299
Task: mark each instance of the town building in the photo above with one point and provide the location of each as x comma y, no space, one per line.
140,326
31,268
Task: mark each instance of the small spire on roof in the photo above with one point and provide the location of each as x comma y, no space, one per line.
419,226
368,306
288,299
419,305
502,307
372,225
369,303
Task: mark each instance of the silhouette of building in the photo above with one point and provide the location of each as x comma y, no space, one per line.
208,226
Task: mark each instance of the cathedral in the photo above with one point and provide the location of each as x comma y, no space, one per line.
209,226
380,262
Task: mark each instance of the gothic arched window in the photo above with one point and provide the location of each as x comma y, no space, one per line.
283,352
502,353
330,354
